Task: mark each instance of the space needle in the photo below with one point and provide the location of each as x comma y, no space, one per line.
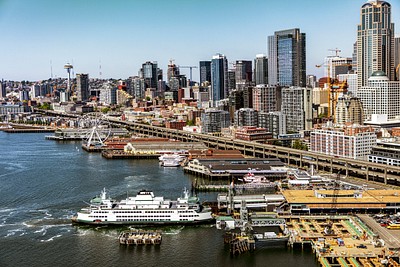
68,67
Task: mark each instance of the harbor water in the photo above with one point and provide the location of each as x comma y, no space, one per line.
44,183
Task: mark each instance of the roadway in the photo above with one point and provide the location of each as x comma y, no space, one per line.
380,173
391,237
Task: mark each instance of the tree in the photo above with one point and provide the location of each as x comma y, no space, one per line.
190,123
297,144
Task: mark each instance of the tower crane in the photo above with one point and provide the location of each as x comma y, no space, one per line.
336,50
190,68
334,87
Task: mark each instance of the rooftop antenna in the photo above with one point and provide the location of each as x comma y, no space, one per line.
51,69
100,69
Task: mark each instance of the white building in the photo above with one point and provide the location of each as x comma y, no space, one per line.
351,79
380,97
353,141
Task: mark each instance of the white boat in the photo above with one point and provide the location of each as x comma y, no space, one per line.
144,209
170,163
251,178
171,160
171,156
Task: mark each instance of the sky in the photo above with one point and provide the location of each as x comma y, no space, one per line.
116,37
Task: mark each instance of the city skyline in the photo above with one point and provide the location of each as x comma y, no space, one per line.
116,38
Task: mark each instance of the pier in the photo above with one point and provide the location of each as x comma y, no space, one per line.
140,237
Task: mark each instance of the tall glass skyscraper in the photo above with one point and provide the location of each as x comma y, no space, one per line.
219,78
287,58
150,74
205,71
375,41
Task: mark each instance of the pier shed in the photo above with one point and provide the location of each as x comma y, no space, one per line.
353,201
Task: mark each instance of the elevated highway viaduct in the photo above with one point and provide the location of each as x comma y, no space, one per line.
369,171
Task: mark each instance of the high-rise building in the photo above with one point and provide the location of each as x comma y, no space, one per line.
219,78
231,80
380,97
108,94
311,81
349,110
139,87
261,69
243,71
274,122
246,117
287,58
150,73
397,57
205,71
267,98
375,41
214,120
336,65
173,70
297,107
82,87
351,79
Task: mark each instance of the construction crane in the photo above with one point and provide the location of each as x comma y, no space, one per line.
336,186
336,50
190,68
334,87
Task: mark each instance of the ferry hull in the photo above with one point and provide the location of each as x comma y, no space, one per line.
75,220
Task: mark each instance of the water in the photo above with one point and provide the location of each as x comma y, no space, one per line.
43,183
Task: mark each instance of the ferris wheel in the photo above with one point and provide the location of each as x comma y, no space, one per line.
96,128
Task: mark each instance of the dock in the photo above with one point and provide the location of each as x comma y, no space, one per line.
140,237
27,130
118,154
239,244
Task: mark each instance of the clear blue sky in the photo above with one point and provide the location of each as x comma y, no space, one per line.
123,34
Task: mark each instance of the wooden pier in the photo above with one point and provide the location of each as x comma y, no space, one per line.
239,244
140,237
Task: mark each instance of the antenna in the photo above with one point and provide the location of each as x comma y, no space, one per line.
51,69
100,69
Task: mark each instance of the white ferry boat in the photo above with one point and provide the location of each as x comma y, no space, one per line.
144,209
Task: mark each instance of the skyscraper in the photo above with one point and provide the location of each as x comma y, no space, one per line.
82,87
261,69
219,77
173,70
149,72
397,57
287,58
205,71
375,41
243,71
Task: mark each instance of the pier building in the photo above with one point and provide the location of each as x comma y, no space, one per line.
354,201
